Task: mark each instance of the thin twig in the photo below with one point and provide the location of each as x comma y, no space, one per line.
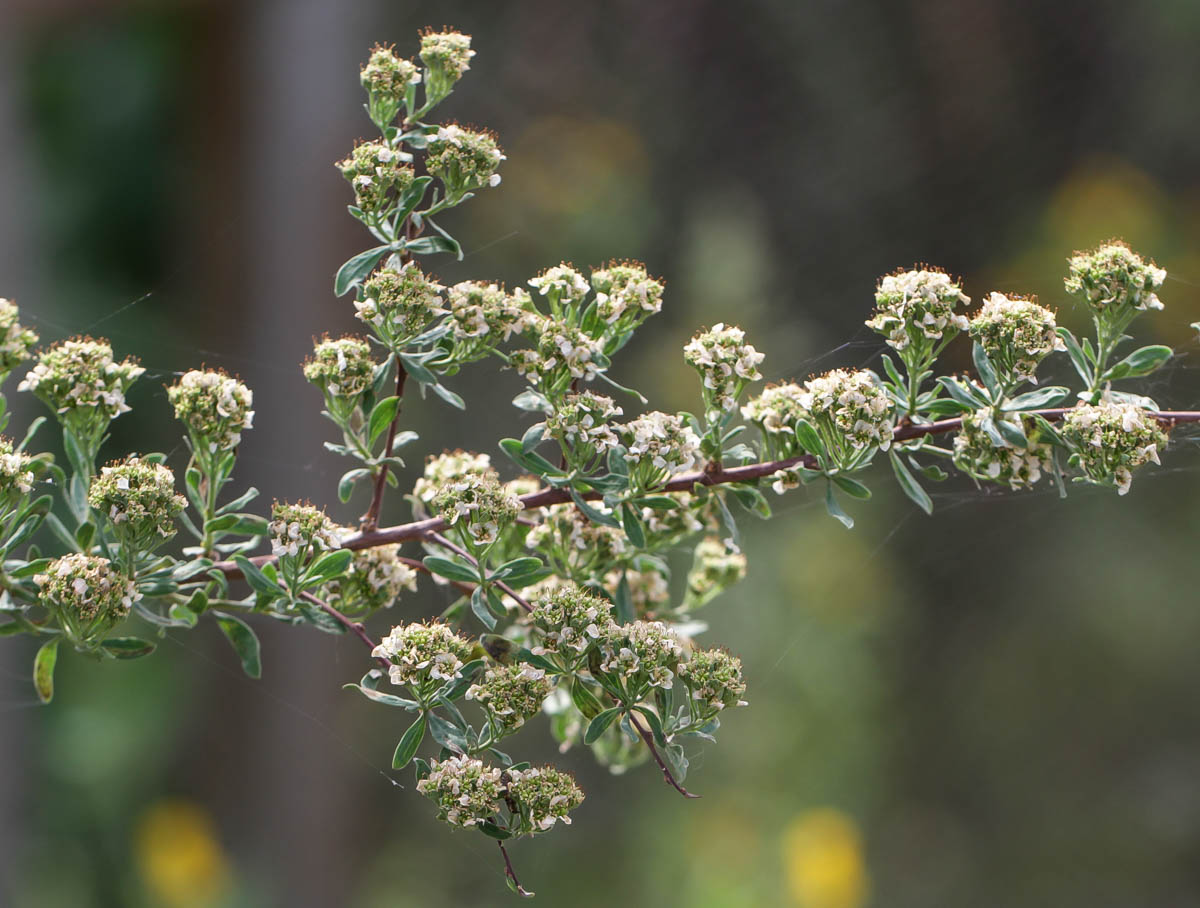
353,627
459,550
370,519
511,874
649,739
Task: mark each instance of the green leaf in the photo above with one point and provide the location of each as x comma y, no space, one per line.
446,734
654,723
259,582
492,830
852,487
381,417
1012,433
479,605
592,514
127,647
379,697
909,484
451,570
431,245
530,460
411,197
1050,396
346,483
409,742
835,510
1140,362
623,600
964,393
632,526
983,365
454,245
600,724
517,569
533,436
43,670
328,566
244,641
357,268
809,440
585,701
448,396
1075,352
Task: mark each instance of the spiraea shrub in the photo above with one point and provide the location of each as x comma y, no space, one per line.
558,542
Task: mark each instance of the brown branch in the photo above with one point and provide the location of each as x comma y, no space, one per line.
354,627
370,520
511,874
649,739
685,482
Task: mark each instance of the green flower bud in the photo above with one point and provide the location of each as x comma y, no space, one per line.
714,679
562,285
1110,440
16,341
988,456
463,159
446,55
776,412
715,568
510,694
1113,276
423,656
399,305
139,501
214,408
86,594
1016,333
659,445
574,544
378,174
481,317
581,422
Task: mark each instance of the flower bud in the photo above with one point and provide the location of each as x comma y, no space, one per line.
626,295
715,568
642,654
478,505
714,679
1016,333
86,594
387,79
214,408
568,620
463,159
990,457
378,173
375,579
851,411
1114,277
79,376
543,796
139,501
16,476
446,468
466,791
446,55
659,445
299,529
399,305
510,694
776,412
342,368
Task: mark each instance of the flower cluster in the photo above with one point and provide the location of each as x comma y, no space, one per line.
715,568
562,285
423,654
659,444
481,316
446,55
989,456
400,304
917,307
626,295
464,159
214,407
87,593
543,796
447,468
16,476
138,499
669,526
376,171
387,78
298,529
511,694
649,592
725,363
479,505
574,544
80,376
1016,334
714,678
568,620
466,790
564,353
375,579
850,411
581,421
16,341
641,654
1113,276
341,368
1109,440
777,410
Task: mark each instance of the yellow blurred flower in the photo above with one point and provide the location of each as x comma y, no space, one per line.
180,860
822,854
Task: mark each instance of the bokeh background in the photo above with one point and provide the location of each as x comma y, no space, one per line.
995,707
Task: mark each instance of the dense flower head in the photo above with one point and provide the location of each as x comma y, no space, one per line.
1016,333
917,305
16,474
342,367
661,440
298,528
387,74
562,346
714,678
464,159
725,363
86,590
375,579
649,592
449,467
138,498
565,532
214,407
669,525
543,796
715,568
562,284
583,420
447,54
1109,440
79,374
466,790
569,619
376,171
482,314
400,303
852,405
626,294
479,504
511,693
777,410
992,458
16,341
1113,275
423,653
641,652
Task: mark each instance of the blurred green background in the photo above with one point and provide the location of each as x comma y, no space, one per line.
995,707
